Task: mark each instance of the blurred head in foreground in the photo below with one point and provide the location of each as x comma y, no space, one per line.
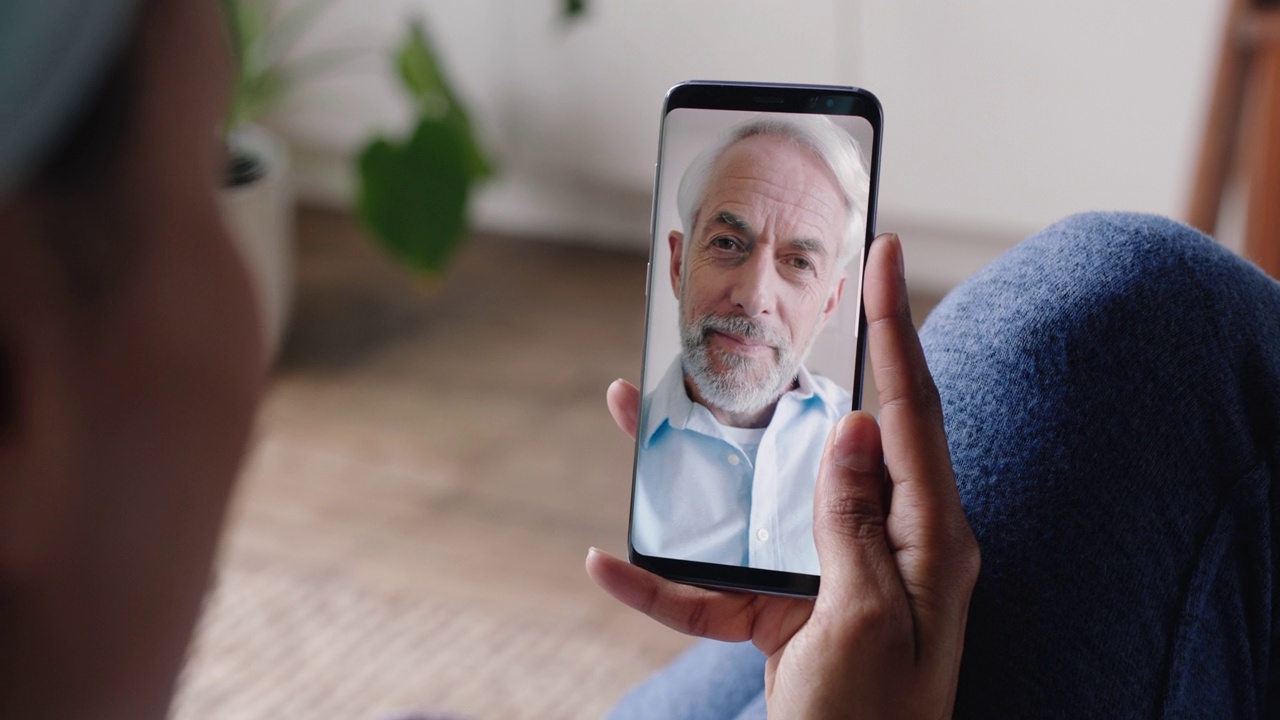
130,357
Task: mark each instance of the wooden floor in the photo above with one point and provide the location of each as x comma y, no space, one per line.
430,468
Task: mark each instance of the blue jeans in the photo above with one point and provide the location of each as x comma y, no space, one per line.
1111,389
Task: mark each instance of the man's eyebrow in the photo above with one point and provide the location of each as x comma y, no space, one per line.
734,221
817,247
737,222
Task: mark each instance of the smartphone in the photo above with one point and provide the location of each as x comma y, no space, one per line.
764,207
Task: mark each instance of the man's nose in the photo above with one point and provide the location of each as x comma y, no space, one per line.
753,292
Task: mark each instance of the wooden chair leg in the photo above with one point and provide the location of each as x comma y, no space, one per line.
1221,125
1262,223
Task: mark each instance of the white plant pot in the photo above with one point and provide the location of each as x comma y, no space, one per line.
260,217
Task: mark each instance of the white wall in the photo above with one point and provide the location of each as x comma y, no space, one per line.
1001,116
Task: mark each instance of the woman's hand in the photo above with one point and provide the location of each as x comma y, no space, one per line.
885,635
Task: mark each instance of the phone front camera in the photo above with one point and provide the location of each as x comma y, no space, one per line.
830,102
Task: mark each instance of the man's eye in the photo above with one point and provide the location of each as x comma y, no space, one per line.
725,242
799,262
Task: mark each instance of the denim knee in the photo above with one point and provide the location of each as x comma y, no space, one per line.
1085,266
1117,313
1107,386
1123,255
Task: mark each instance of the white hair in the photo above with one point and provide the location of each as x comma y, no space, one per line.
834,146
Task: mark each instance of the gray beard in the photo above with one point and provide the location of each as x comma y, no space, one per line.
743,386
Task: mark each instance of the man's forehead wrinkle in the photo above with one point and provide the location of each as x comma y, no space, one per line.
780,190
813,225
763,155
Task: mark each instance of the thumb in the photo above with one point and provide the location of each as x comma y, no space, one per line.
851,504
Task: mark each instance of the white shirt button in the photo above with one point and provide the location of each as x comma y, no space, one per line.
733,460
762,535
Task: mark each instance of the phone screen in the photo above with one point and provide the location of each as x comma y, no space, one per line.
764,206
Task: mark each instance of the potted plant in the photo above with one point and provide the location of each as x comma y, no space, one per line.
412,190
258,197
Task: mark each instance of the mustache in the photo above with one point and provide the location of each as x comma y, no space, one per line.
741,326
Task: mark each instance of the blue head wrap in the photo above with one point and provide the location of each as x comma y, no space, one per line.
53,55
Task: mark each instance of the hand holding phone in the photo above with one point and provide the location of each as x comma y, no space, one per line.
885,635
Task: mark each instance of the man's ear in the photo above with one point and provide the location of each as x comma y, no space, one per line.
676,241
833,300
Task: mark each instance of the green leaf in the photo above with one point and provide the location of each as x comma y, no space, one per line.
246,21
413,195
424,79
256,95
419,70
288,28
261,38
235,33
250,20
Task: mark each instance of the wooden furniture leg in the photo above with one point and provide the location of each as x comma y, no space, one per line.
1262,223
1242,131
1218,145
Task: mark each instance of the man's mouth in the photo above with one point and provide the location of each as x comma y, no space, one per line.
739,344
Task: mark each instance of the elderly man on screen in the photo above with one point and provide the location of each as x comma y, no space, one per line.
731,437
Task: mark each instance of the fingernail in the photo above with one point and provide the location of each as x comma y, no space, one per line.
897,257
846,444
852,451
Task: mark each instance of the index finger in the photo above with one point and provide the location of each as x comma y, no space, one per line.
768,621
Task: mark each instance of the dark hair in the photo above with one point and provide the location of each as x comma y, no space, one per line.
88,254
82,228
97,136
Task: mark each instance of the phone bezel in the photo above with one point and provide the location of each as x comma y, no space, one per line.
761,97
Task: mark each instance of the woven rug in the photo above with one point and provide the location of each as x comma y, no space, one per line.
281,643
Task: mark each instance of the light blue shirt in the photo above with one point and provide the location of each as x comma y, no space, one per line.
704,493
